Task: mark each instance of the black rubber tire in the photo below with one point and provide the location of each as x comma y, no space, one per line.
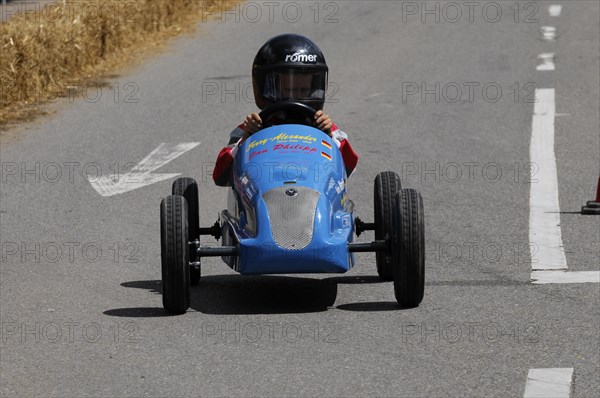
387,184
188,188
175,258
409,249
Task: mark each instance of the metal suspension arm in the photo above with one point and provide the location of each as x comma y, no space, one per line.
376,246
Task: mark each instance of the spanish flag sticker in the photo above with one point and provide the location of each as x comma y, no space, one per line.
328,157
327,144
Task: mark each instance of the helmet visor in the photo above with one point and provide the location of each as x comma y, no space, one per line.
295,85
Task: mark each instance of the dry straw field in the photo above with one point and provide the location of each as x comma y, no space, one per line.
64,45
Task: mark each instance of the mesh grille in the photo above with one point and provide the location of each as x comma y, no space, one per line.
292,214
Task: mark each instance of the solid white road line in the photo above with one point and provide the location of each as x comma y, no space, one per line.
548,33
547,277
544,218
550,382
547,61
555,10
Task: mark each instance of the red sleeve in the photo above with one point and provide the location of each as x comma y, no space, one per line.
350,157
222,171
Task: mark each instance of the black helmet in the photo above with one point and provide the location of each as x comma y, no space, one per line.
289,67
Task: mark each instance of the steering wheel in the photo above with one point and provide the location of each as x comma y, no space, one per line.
294,108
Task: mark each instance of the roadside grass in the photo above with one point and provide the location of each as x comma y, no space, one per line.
62,47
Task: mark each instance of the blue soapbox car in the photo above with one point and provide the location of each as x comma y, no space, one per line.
288,212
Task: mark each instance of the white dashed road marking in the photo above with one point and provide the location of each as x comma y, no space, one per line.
549,382
548,33
547,61
555,10
546,277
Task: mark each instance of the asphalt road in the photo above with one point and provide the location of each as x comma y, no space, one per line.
81,311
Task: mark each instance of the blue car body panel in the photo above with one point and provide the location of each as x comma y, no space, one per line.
292,169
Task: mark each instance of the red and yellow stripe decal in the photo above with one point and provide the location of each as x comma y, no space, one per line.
325,155
327,144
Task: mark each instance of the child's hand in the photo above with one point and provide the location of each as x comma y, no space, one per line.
323,122
252,124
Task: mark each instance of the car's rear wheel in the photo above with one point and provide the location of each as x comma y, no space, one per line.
175,259
188,188
409,248
387,184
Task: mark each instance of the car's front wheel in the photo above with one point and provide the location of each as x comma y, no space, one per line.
387,184
175,258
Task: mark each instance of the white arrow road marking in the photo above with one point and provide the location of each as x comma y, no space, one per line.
554,10
544,211
140,175
547,61
549,382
